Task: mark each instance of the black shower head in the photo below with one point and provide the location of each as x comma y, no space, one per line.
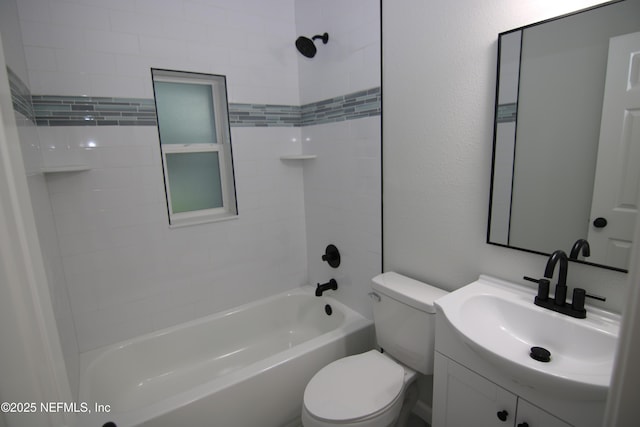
307,47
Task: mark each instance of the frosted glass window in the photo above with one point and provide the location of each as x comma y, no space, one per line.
194,181
195,144
185,113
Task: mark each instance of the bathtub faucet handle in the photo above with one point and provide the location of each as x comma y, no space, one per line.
332,256
331,284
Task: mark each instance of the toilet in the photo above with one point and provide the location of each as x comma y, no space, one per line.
378,388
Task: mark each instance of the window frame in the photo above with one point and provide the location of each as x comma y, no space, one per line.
222,146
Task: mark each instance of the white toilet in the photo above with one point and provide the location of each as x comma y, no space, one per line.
376,389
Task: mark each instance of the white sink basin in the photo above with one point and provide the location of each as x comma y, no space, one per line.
499,321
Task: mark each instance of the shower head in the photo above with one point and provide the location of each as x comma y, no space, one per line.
307,47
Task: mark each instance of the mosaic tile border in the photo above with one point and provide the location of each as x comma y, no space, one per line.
366,103
507,112
20,95
263,115
93,111
55,110
103,111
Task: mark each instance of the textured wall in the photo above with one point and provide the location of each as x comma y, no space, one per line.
439,72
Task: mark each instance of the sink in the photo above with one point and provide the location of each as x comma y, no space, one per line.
499,321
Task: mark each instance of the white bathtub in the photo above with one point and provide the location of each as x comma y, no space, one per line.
245,367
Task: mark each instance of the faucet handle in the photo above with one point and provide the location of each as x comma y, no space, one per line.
579,296
543,288
577,302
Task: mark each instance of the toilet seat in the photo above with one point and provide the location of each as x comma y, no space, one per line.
354,388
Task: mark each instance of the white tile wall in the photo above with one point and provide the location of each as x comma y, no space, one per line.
342,186
97,48
128,273
31,154
350,61
342,190
52,258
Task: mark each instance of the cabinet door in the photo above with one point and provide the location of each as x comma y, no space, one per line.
530,415
464,398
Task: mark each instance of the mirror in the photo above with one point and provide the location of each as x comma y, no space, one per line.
565,167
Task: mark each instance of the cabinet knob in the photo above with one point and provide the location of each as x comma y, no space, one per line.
502,415
523,425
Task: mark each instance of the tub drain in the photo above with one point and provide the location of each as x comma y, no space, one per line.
328,310
540,354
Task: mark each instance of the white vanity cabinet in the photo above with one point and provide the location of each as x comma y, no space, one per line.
469,390
529,415
464,398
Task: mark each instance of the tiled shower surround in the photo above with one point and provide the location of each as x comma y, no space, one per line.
127,273
119,270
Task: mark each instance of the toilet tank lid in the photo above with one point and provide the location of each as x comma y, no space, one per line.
409,291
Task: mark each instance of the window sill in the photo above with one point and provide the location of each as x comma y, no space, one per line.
187,222
298,157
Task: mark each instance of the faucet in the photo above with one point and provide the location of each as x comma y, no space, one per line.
577,246
561,286
558,303
331,284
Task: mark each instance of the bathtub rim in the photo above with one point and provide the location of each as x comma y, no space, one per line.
353,322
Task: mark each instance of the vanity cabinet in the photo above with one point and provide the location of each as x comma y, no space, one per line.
470,390
465,398
532,416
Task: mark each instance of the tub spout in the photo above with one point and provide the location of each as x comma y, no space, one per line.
331,284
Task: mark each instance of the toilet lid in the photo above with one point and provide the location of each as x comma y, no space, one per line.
354,387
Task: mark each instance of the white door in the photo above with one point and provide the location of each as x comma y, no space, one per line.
615,202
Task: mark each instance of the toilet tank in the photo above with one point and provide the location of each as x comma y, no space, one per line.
405,319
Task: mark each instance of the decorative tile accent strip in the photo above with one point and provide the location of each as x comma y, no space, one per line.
103,111
356,105
263,115
20,95
93,111
507,112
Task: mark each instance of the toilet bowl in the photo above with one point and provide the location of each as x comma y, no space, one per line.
365,390
378,389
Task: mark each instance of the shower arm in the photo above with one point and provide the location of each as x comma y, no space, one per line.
324,37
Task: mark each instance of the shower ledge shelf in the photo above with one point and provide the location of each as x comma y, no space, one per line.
65,168
298,156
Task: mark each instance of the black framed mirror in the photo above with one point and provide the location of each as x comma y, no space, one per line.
564,165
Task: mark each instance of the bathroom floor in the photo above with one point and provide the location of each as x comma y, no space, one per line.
415,421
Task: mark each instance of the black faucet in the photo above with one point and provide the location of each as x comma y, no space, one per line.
561,286
580,244
558,303
331,284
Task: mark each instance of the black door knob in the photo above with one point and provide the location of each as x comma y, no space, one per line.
502,415
600,222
